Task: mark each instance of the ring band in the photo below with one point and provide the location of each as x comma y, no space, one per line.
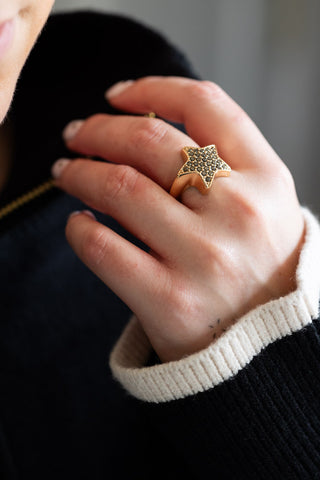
150,115
201,166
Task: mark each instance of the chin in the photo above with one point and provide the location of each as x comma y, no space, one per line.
6,96
17,37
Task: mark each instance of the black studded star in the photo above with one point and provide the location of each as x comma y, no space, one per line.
205,162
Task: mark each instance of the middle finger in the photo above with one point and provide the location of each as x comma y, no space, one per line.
150,145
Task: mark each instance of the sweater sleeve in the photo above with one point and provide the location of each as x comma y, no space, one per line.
248,405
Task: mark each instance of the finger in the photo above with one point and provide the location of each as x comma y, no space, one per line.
128,271
151,146
208,113
132,199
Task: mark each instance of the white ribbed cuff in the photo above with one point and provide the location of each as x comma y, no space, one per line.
234,349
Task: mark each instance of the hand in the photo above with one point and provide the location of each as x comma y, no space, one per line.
212,258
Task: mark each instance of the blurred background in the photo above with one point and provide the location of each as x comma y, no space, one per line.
264,53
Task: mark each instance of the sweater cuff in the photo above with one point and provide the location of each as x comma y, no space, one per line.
231,352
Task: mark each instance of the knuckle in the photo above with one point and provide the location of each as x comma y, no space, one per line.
244,207
121,184
148,133
94,248
205,90
238,116
96,119
208,252
285,177
91,246
180,301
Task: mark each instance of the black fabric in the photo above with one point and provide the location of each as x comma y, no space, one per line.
77,57
61,414
262,424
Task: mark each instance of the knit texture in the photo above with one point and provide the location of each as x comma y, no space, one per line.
226,356
62,416
262,424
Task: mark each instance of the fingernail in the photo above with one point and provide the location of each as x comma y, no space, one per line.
118,88
85,212
74,214
70,131
89,214
58,167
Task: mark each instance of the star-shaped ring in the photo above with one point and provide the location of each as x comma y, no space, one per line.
201,166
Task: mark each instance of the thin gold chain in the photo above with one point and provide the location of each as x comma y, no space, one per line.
36,192
26,198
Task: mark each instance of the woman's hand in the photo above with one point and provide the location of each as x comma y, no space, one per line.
212,258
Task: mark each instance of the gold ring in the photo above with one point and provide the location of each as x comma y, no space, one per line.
201,166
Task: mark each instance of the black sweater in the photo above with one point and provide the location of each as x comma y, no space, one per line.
62,415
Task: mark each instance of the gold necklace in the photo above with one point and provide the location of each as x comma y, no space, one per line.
36,192
26,198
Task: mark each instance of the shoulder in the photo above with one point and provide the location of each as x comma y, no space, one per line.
79,43
76,58
90,27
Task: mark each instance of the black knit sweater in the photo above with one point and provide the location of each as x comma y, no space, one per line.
62,415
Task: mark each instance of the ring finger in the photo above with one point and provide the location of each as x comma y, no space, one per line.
131,198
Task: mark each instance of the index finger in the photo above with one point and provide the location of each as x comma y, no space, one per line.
209,114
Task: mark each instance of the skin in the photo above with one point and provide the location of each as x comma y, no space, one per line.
212,258
29,18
